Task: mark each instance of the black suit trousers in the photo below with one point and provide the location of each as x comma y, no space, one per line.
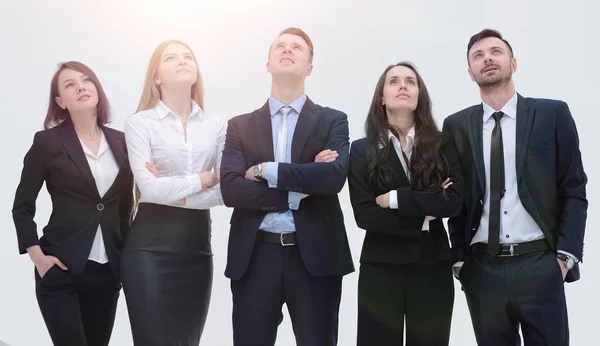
422,295
79,309
504,293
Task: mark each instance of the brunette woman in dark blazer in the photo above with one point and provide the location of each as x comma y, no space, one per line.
85,167
404,178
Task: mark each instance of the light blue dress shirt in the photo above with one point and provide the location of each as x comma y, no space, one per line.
284,221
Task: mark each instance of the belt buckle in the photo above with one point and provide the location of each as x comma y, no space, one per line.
511,251
281,239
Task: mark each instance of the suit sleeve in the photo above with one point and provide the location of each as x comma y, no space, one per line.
126,205
32,179
457,224
367,213
239,192
439,203
571,183
320,178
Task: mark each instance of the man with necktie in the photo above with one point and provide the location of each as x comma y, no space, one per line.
283,166
520,234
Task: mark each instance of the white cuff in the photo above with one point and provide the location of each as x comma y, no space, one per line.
393,199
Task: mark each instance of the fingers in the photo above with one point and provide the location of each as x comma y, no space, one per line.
446,183
431,218
150,167
59,263
326,156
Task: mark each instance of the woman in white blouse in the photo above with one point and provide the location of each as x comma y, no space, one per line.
175,153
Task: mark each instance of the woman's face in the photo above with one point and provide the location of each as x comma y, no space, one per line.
76,92
401,89
177,67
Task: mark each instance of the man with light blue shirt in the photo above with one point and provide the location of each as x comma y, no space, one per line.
282,168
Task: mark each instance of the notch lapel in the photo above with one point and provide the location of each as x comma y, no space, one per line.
306,121
475,130
525,119
75,152
117,147
264,130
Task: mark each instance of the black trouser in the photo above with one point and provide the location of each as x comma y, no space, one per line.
277,275
79,309
390,294
504,293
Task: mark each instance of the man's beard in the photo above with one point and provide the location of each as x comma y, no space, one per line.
495,80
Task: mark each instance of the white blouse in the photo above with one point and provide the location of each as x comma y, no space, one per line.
104,168
156,135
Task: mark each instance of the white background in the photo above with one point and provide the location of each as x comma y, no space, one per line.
555,44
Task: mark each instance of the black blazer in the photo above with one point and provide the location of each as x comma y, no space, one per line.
395,235
320,231
550,177
57,158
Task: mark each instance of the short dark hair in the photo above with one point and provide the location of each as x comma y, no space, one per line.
485,33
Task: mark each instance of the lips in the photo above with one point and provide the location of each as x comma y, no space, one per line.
84,97
490,68
402,95
290,60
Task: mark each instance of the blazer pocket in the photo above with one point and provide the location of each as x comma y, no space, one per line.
541,147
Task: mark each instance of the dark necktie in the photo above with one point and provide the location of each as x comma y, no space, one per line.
496,186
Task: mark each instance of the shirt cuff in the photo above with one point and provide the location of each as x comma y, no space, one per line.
393,199
195,182
294,200
570,255
270,173
458,264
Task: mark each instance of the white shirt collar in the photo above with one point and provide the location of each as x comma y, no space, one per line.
410,139
162,110
101,149
509,109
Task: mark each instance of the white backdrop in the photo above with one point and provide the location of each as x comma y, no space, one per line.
555,45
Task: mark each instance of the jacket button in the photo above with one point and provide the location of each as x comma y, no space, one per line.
481,201
100,206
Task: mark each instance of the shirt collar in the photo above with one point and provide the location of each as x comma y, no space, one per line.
275,105
162,110
101,149
509,109
410,138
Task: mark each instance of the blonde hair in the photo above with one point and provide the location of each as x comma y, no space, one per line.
151,92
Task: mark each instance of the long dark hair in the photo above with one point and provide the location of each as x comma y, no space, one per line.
426,167
57,115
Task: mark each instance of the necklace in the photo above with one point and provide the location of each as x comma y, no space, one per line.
90,138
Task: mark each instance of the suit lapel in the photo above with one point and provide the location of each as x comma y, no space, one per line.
264,129
117,147
475,128
74,150
306,121
525,119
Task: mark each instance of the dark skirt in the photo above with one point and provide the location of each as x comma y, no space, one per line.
167,271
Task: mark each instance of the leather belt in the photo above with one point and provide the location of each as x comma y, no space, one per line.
511,250
283,238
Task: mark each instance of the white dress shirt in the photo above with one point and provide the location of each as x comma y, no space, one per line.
410,143
104,168
156,135
516,225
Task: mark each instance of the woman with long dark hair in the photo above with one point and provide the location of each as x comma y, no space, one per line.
404,178
85,167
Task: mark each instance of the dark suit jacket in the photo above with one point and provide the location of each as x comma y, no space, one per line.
395,235
550,177
319,221
57,158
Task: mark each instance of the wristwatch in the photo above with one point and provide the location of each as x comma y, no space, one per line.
568,260
256,171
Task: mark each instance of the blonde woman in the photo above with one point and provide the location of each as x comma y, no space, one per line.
175,153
